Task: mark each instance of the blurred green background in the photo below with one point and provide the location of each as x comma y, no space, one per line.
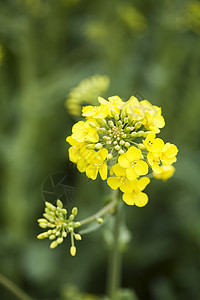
147,48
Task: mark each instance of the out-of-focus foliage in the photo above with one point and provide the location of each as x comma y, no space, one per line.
147,48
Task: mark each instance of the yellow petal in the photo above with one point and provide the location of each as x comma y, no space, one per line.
133,153
113,182
91,172
142,183
130,173
103,171
123,161
127,186
141,199
128,198
118,170
141,167
102,154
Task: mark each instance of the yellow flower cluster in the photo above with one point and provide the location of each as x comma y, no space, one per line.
118,141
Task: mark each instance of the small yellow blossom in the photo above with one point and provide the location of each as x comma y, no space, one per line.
136,196
101,111
120,181
153,119
133,162
97,164
169,153
115,103
166,173
82,132
74,151
153,144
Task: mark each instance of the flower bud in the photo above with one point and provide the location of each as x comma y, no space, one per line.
71,217
141,146
78,237
74,211
140,133
110,123
59,203
50,206
138,125
121,151
127,144
98,146
117,147
59,240
53,245
73,250
109,156
43,235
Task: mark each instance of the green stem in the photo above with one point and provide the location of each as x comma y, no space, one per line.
105,210
114,271
12,287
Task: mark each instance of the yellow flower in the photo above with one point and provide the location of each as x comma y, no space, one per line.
74,151
168,154
133,163
132,107
115,104
153,144
97,164
136,196
120,181
166,172
98,112
83,132
153,119
153,159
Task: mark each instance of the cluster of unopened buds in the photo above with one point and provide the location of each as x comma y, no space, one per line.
55,220
118,140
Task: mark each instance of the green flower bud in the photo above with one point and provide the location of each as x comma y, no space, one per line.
52,237
117,147
73,250
133,134
59,240
50,206
64,234
43,235
98,146
71,217
43,225
42,221
74,211
121,151
109,156
141,146
64,211
110,123
59,203
127,144
70,229
100,220
78,237
138,125
140,133
77,224
122,142
53,245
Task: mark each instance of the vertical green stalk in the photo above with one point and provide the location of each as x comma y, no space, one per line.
114,267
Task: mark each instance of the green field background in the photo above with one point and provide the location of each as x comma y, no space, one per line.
148,48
